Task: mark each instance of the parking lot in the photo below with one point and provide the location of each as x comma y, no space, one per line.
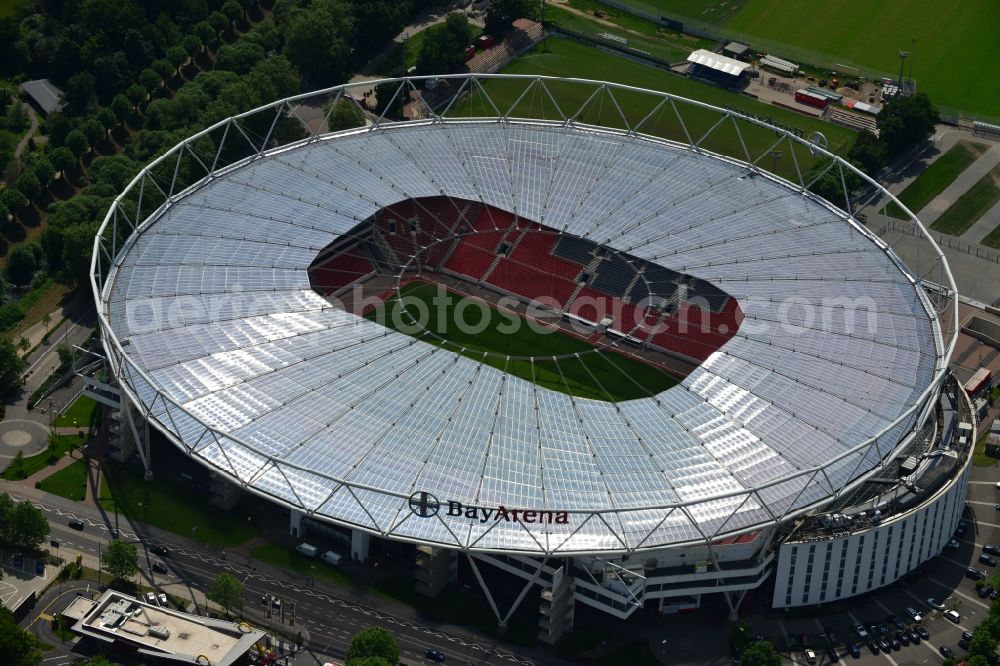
944,579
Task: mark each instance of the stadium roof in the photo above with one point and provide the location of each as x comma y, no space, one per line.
719,63
210,321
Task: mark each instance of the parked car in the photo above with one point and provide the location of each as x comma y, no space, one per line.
434,655
810,656
991,549
831,652
882,629
987,560
150,598
946,652
896,622
160,567
903,638
913,614
860,630
922,631
914,636
967,635
953,543
885,645
984,591
953,616
855,650
974,574
873,646
76,524
895,643
162,598
964,644
935,604
159,550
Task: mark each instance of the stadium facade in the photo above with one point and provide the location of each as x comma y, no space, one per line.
809,451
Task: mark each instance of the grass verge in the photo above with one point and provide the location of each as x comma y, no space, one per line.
454,607
970,206
62,445
937,177
979,457
69,482
594,373
992,239
79,414
290,559
159,503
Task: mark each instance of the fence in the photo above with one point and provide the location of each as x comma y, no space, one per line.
944,240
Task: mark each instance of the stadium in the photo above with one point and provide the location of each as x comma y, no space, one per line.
590,352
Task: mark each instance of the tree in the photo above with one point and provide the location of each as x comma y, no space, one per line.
905,122
40,165
63,159
18,647
28,183
345,115
80,93
192,45
93,130
120,559
239,57
26,526
136,94
150,80
373,642
77,143
443,48
21,264
11,367
177,57
121,107
107,118
740,639
316,40
867,153
164,68
226,590
18,465
502,13
218,21
760,653
205,33
233,11
14,200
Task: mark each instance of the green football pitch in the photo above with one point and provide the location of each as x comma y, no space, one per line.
578,368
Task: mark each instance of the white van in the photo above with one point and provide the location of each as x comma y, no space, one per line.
331,557
307,549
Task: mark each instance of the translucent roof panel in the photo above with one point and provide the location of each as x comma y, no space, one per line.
262,379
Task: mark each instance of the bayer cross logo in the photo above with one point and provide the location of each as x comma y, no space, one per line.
424,504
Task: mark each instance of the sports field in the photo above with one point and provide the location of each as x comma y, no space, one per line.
564,57
593,373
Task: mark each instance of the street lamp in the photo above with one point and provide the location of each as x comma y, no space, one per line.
909,76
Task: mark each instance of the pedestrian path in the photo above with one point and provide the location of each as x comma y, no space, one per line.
984,225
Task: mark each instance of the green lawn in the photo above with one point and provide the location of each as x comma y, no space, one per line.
7,7
979,457
993,238
970,206
162,504
567,58
290,559
870,33
937,177
621,378
34,463
82,411
69,482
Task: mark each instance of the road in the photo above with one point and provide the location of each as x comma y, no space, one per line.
329,621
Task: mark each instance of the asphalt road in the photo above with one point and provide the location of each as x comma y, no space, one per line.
330,621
